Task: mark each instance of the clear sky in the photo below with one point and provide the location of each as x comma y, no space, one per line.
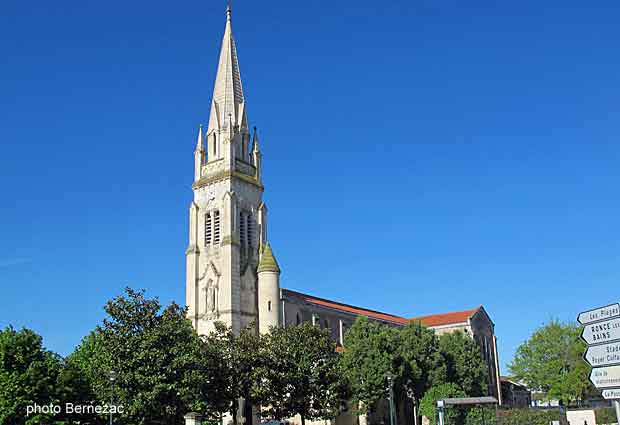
420,156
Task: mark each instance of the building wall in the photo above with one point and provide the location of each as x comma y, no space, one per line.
514,395
480,327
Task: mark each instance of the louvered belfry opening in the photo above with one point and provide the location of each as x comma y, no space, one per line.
216,227
208,229
242,229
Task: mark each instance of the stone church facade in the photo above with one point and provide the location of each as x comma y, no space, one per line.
232,274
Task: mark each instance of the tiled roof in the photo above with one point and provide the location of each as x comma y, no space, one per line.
428,321
447,318
348,308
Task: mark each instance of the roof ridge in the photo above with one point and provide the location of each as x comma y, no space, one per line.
469,310
345,304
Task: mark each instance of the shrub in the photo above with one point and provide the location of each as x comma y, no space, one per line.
529,417
605,415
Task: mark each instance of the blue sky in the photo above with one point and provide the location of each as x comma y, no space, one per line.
420,156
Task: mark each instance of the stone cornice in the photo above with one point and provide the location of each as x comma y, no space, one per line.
207,180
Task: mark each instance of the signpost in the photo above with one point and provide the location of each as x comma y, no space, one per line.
603,355
605,377
601,331
601,313
611,394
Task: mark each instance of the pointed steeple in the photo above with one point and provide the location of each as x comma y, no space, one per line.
199,142
199,155
228,100
268,262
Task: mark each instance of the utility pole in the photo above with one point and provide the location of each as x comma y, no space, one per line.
411,395
390,379
112,378
440,409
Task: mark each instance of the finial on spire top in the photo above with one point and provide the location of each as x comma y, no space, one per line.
256,148
228,10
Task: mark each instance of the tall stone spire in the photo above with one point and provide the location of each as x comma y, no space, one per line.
228,102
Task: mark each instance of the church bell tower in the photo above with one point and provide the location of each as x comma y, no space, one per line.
227,217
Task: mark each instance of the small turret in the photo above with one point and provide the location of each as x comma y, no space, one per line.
268,290
199,155
257,156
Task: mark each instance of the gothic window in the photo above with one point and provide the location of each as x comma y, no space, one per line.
208,229
216,227
298,319
269,305
242,229
250,227
214,146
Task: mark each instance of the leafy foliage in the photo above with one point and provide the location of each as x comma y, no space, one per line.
529,416
236,361
301,374
156,355
428,405
28,375
481,416
415,355
371,352
551,361
465,366
419,354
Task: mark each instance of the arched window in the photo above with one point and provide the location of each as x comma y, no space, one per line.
268,305
250,229
298,319
208,229
214,146
216,227
242,229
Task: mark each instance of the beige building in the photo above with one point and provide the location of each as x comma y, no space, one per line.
232,274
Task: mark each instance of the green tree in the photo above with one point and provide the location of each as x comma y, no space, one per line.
372,350
238,361
28,375
159,361
465,366
428,405
300,374
419,355
551,362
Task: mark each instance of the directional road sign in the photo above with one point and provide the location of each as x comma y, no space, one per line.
612,394
606,377
601,332
601,313
603,355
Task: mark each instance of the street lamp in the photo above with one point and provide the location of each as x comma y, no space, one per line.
411,395
390,379
112,379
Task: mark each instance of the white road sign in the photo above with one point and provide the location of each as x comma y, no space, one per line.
601,313
611,394
600,332
606,377
603,355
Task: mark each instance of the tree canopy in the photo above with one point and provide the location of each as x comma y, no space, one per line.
301,375
551,362
465,366
154,353
371,352
28,375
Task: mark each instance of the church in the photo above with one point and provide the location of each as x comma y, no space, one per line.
232,272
